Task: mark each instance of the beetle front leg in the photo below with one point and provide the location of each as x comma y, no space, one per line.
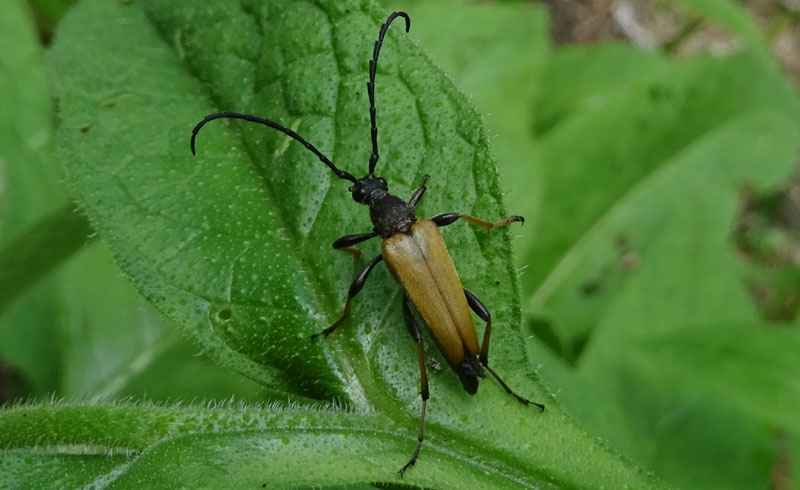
445,219
345,243
417,195
413,329
355,288
480,310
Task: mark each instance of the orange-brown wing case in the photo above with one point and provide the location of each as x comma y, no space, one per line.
422,265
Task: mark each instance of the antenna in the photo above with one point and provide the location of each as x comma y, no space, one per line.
373,63
266,122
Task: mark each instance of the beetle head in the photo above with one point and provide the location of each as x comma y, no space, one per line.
369,188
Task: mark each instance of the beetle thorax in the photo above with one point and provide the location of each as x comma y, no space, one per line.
391,215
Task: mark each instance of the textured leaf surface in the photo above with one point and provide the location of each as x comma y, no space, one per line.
233,244
136,446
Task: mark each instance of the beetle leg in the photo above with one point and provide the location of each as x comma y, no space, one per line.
413,329
480,310
445,219
417,195
345,243
355,288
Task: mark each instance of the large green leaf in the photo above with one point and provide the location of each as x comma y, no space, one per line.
232,244
642,184
71,325
25,128
29,192
603,145
222,447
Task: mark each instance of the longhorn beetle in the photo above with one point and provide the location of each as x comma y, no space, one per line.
416,256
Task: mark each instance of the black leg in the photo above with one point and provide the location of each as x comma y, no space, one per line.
355,288
346,242
445,219
413,329
373,64
484,315
417,195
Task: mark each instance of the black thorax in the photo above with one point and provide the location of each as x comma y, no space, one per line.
390,215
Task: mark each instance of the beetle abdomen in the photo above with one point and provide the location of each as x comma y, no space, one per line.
468,372
421,264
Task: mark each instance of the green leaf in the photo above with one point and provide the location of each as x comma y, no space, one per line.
169,447
31,256
734,17
174,370
577,81
664,418
36,468
51,10
629,132
70,324
29,192
675,227
232,244
711,401
752,368
28,179
641,199
90,334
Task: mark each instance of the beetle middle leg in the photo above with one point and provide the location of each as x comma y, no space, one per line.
345,243
355,288
445,219
413,329
480,310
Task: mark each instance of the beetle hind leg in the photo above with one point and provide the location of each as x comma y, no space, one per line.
480,310
413,329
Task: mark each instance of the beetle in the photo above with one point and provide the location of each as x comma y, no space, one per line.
416,256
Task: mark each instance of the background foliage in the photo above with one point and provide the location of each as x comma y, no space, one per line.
652,305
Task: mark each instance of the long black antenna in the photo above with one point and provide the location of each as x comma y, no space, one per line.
373,63
260,120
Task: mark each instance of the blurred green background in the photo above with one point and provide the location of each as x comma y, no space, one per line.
652,147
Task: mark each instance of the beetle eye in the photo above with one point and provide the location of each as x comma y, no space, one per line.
383,182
